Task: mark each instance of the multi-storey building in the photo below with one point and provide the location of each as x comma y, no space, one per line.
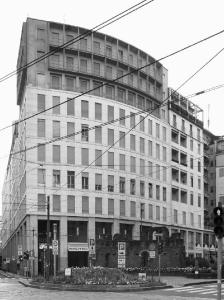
104,177
187,190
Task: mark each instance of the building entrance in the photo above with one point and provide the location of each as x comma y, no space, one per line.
78,258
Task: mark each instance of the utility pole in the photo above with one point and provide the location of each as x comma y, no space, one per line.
48,239
54,252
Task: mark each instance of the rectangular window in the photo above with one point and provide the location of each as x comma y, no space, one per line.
108,51
69,82
84,85
192,219
109,72
199,221
199,148
70,179
41,152
150,126
164,134
150,148
192,199
122,117
71,130
70,63
199,167
221,172
98,135
191,163
175,216
133,209
56,105
110,113
132,120
97,88
83,65
41,175
133,164
150,168
41,202
84,109
110,137
85,156
164,154
56,153
110,160
122,185
164,194
110,183
150,211
56,203
85,204
40,102
142,123
122,207
70,155
98,111
98,205
158,213
41,128
56,129
56,178
56,82
157,192
98,158
70,107
71,204
157,151
184,217
132,142
121,96
83,44
164,174
40,34
191,145
150,190
158,172
122,162
96,68
142,166
132,186
157,130
109,91
199,200
98,182
122,139
110,207
85,133
142,210
85,180
164,214
142,188
142,145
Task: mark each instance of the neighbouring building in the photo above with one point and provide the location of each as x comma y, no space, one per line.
104,178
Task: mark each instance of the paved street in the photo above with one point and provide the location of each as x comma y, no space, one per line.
10,289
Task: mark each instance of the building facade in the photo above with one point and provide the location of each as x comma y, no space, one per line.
108,166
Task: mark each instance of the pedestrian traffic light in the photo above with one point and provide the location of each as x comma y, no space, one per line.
218,222
26,255
160,248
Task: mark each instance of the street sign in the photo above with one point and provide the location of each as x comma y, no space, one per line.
121,254
55,247
152,254
92,247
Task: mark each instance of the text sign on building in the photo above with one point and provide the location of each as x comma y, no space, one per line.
78,247
121,254
152,254
55,247
20,250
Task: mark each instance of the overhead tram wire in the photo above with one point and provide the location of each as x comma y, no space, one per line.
211,89
80,37
162,103
116,79
110,122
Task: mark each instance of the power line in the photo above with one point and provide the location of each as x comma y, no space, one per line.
114,80
211,89
80,37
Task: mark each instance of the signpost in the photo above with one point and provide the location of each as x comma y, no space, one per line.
121,254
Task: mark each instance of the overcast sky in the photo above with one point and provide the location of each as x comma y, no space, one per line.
158,29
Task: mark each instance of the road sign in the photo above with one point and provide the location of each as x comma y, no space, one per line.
152,254
55,247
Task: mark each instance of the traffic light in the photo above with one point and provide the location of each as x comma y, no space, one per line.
218,222
26,255
20,258
160,248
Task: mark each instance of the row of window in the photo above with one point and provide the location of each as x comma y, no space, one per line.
182,139
143,168
183,127
145,211
160,131
135,187
182,196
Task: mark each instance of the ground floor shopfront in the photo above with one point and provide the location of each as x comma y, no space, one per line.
79,241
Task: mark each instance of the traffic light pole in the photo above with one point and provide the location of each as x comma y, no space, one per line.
219,269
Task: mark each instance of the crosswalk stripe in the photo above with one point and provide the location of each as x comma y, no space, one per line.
179,288
202,290
211,292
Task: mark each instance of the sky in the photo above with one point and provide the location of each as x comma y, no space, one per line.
159,28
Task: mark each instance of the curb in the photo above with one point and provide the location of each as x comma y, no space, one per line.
201,282
93,288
